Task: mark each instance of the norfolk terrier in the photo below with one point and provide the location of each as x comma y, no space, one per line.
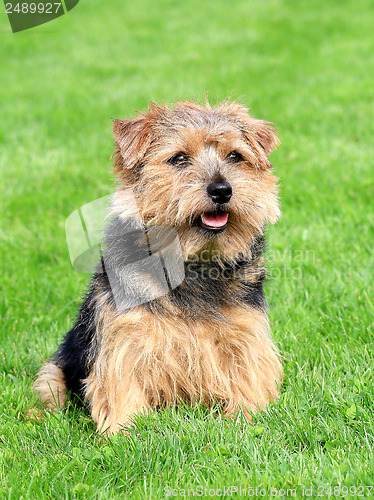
202,182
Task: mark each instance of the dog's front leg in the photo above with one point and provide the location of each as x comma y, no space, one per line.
114,402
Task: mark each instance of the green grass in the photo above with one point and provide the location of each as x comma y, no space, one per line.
307,66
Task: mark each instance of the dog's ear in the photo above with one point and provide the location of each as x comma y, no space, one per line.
132,139
265,134
262,137
259,134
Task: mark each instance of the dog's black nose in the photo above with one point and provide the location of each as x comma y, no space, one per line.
220,192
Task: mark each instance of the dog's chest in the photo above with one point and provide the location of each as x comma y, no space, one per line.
194,356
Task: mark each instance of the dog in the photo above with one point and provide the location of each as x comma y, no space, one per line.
202,173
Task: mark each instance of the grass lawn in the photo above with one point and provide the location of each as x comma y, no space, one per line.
307,66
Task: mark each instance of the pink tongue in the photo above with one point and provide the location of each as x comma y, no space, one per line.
215,220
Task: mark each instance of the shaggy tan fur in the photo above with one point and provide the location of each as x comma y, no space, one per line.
147,361
51,386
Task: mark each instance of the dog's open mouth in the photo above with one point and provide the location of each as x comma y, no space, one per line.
214,221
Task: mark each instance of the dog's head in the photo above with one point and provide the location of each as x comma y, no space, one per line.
201,170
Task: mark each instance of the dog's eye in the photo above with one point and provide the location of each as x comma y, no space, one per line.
180,159
234,156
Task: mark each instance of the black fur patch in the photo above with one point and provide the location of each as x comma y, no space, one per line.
208,285
254,295
78,348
